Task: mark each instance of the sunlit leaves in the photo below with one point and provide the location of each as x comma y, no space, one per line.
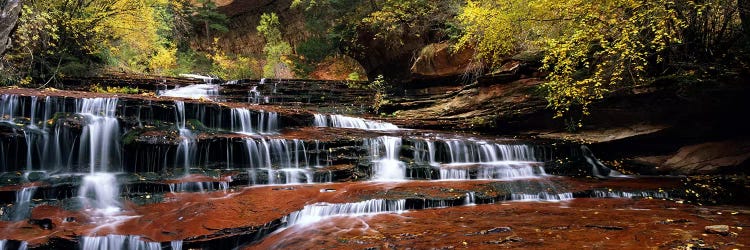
276,49
591,47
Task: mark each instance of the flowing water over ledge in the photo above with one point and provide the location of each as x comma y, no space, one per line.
100,172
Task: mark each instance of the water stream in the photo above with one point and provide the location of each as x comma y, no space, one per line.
113,159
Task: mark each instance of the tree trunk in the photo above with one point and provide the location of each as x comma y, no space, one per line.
744,6
208,35
9,14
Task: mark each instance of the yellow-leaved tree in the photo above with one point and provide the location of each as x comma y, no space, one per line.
591,48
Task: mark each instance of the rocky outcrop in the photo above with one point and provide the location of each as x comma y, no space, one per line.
8,18
440,60
711,157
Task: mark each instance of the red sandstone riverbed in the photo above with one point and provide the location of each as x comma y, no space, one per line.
581,222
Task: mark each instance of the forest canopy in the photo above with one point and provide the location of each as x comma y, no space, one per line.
588,49
592,48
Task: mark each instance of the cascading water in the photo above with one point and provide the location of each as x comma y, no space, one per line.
340,121
284,161
386,165
268,122
22,207
112,242
101,140
186,149
470,199
467,159
176,244
597,168
629,195
320,120
8,107
242,122
195,91
101,135
319,211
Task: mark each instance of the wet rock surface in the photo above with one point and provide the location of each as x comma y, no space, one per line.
233,170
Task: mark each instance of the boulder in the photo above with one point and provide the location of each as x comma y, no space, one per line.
10,11
711,157
439,60
718,229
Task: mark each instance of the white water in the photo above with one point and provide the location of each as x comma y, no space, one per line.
491,171
23,203
386,166
598,169
542,196
176,244
197,187
101,135
320,211
320,120
100,192
470,199
101,139
283,161
117,242
242,121
188,142
340,121
195,91
8,107
629,195
468,159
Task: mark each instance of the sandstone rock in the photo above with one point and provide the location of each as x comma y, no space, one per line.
10,12
606,135
439,60
710,157
718,229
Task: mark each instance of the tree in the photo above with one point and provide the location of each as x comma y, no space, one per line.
276,48
207,15
594,48
58,38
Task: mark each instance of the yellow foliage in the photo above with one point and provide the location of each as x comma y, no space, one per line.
164,61
591,46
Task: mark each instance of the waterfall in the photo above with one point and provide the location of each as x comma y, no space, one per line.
253,96
101,191
117,242
200,187
176,244
468,159
340,121
470,199
187,147
284,161
101,139
241,121
597,167
389,167
542,196
22,207
319,211
629,195
268,122
195,91
8,107
101,135
320,120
